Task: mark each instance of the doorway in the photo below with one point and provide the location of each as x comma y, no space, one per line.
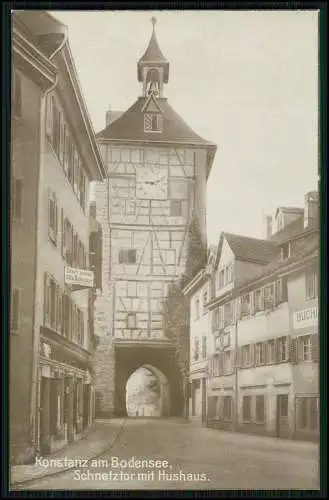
282,415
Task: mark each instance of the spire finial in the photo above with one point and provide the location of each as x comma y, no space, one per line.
153,21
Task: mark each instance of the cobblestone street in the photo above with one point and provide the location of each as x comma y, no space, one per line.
197,458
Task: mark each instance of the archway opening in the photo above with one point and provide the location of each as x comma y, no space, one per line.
147,393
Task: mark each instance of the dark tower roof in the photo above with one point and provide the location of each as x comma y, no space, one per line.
153,55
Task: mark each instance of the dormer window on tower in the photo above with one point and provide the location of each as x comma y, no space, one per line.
153,122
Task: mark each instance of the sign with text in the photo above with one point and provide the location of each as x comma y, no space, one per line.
80,277
305,318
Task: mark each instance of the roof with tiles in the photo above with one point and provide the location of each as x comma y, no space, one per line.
130,126
310,248
251,249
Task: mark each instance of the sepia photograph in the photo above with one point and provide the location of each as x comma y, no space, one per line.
165,250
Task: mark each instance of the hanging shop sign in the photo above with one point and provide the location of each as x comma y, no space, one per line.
79,277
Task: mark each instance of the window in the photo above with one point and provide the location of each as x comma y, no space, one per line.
196,349
56,127
308,413
246,358
221,278
215,320
245,304
197,308
228,313
127,256
260,353
205,301
70,166
153,122
229,274
285,251
15,308
17,95
282,349
130,207
227,361
246,408
52,216
306,342
311,285
281,291
131,320
17,199
258,300
175,208
260,409
269,296
227,408
271,351
283,405
204,347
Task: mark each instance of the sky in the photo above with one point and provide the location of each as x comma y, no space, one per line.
245,80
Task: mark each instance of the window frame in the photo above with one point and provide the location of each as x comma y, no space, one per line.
246,397
128,252
257,398
311,277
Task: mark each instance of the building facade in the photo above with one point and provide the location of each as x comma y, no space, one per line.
263,377
51,316
157,170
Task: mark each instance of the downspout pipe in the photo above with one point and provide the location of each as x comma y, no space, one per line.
35,401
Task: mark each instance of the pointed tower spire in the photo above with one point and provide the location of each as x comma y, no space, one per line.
153,67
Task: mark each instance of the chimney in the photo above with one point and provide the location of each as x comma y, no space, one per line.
108,116
311,208
268,230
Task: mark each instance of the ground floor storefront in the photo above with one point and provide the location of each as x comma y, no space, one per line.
66,398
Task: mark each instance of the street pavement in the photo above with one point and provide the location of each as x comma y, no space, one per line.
173,454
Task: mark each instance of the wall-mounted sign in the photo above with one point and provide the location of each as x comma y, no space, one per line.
80,277
305,318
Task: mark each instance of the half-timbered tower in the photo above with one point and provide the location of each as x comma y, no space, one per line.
157,172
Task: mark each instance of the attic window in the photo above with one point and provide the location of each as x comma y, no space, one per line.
153,122
286,251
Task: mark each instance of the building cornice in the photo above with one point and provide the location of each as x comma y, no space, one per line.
30,58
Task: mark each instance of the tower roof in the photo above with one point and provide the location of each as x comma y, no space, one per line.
153,55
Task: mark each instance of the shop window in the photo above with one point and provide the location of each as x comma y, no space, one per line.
227,408
260,409
283,405
246,408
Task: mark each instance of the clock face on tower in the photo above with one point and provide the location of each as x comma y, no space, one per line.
151,182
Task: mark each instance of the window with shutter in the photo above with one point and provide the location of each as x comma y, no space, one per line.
306,347
271,352
294,351
311,285
245,304
71,155
52,216
53,303
15,309
246,356
59,310
17,199
238,357
315,348
246,408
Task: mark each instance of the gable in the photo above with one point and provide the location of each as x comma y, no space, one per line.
227,256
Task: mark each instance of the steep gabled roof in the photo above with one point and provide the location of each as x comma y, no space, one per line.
251,249
130,126
293,229
289,210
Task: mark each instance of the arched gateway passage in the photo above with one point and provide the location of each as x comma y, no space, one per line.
158,360
147,393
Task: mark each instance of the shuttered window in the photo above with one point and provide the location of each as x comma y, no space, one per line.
15,309
17,199
246,408
245,304
271,352
282,352
306,348
52,216
311,285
